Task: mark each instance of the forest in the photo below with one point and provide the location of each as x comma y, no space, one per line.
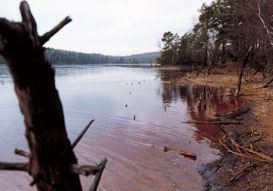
57,56
226,30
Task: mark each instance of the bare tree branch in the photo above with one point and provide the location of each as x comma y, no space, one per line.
263,22
98,175
43,39
82,134
14,166
21,153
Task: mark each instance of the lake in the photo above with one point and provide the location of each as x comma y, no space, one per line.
137,112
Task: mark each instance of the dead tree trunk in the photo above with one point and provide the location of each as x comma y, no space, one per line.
237,92
51,154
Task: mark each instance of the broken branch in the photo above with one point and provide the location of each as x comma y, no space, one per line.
82,134
29,22
21,153
187,154
254,152
242,170
240,154
84,169
13,166
98,175
259,138
43,39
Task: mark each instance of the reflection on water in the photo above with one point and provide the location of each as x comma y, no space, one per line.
113,95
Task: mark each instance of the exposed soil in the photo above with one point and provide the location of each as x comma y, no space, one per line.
255,132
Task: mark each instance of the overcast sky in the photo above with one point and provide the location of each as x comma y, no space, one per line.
113,27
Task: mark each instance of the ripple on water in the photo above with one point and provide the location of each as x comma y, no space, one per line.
134,163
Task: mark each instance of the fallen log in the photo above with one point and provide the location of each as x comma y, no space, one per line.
233,114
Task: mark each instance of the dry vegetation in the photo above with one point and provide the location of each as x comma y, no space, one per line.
240,167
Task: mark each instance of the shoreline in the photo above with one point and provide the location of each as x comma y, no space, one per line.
255,132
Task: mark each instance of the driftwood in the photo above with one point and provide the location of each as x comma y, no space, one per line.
187,154
166,149
51,153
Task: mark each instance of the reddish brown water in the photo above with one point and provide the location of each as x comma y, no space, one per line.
113,95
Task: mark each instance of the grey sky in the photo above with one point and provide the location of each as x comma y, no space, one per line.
115,27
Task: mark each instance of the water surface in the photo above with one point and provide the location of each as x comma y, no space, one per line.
114,95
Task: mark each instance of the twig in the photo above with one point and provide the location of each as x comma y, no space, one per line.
13,166
188,154
238,148
259,138
43,39
240,154
21,153
98,175
242,170
82,134
254,152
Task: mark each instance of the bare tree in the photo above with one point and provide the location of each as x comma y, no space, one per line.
52,162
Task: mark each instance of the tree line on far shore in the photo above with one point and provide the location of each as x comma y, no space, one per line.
225,32
57,56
